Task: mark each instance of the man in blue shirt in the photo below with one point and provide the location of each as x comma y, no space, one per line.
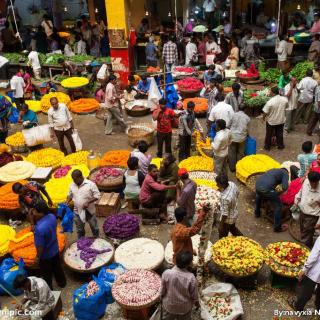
45,239
209,74
151,53
143,88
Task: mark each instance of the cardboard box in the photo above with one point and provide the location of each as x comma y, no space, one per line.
108,204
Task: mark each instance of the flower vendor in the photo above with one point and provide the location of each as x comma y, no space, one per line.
61,124
221,110
37,296
179,289
186,195
30,194
235,98
17,86
153,193
45,240
27,117
141,153
84,194
143,88
266,189
228,207
5,110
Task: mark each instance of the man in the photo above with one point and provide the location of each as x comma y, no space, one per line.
33,60
164,117
61,124
308,202
306,158
30,194
182,232
306,87
46,243
239,133
152,194
112,105
274,112
179,290
84,193
170,54
315,117
220,146
235,98
4,67
38,298
69,67
151,53
80,47
221,110
282,50
209,75
229,198
17,86
186,194
314,50
284,79
209,7
143,88
266,190
316,24
191,52
291,92
187,125
309,278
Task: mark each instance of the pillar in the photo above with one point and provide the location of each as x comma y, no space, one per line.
91,9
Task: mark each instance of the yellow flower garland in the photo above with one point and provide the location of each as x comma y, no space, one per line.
6,234
58,189
197,163
34,105
16,140
157,162
45,100
80,157
74,82
47,157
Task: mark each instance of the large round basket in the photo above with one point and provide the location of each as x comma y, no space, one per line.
140,131
251,181
137,108
107,184
72,259
206,175
189,93
276,267
234,275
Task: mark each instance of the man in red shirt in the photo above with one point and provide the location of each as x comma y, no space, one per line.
164,117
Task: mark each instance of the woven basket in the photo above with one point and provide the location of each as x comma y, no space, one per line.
140,131
271,262
231,274
102,114
108,183
202,175
138,112
189,93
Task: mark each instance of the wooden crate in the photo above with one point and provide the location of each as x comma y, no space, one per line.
108,204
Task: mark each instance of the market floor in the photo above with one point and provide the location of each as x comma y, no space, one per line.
260,304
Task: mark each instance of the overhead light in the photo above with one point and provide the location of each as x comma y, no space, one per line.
65,9
147,13
192,20
169,14
298,7
96,10
196,12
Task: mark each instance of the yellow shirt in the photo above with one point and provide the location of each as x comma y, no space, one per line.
136,80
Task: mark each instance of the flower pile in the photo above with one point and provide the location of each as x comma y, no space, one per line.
34,105
17,170
45,100
206,183
121,226
258,163
6,233
239,256
286,258
190,84
115,158
84,105
206,194
16,140
184,69
203,145
4,148
219,306
58,189
74,82
201,104
47,157
105,173
26,249
197,163
9,199
80,157
66,171
252,72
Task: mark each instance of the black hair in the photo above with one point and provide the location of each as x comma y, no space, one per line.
236,86
41,207
313,176
184,259
317,36
190,104
133,163
131,78
222,180
151,167
221,124
112,78
163,101
25,106
60,60
220,97
129,89
16,187
180,213
170,156
76,173
143,146
19,281
309,73
212,67
143,77
307,146
275,90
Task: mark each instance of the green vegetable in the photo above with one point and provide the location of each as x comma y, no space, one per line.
272,75
255,102
228,83
103,60
81,58
14,57
60,77
53,58
300,69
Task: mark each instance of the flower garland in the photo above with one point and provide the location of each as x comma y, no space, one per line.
115,158
47,157
80,157
8,199
45,100
197,163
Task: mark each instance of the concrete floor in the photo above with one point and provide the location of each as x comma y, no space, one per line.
258,304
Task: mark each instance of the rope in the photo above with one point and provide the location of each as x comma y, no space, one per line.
15,21
9,293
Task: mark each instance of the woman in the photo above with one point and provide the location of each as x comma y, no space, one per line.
168,174
27,117
5,110
141,153
202,52
315,166
68,52
28,89
234,55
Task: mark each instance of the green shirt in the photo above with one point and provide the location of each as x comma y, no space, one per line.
283,81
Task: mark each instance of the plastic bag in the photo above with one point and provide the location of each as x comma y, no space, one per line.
92,307
76,139
102,73
37,135
154,95
210,59
14,115
222,289
9,270
67,215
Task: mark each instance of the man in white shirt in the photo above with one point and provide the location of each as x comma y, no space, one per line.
306,87
84,194
17,86
291,92
274,112
212,46
316,112
309,278
4,68
314,50
80,46
61,124
221,110
209,7
282,50
220,146
191,52
33,59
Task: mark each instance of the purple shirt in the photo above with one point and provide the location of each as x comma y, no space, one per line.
187,198
144,160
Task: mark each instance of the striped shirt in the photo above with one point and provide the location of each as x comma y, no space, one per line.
228,203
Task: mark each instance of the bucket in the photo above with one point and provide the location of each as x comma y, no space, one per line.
251,146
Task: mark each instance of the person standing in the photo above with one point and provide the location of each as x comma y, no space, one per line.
306,158
309,278
307,87
315,117
229,197
80,47
191,52
308,202
61,124
221,110
47,25
266,190
46,243
84,193
234,55
209,7
170,54
164,117
17,86
33,60
291,92
187,125
274,112
220,146
202,52
235,98
316,24
112,105
314,50
179,289
239,133
143,157
282,51
151,53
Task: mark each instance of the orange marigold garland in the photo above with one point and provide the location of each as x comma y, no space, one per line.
201,104
84,105
8,199
115,158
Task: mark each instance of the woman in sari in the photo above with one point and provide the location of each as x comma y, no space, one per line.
5,110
